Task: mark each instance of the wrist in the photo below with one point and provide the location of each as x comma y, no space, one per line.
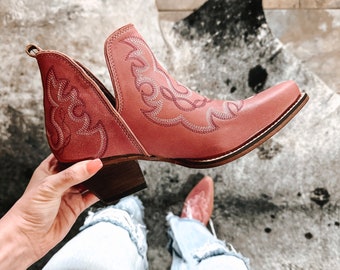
15,252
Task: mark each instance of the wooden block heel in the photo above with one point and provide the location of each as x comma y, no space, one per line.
115,181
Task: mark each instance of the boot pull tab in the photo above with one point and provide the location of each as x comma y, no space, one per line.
32,50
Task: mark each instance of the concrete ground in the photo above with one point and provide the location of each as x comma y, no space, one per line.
309,29
312,35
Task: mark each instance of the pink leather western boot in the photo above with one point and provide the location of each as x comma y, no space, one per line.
150,116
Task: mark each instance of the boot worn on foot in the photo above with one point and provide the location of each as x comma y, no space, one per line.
199,203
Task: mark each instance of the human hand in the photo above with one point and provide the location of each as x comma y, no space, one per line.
45,213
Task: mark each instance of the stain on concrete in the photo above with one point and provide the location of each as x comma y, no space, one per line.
269,149
246,207
257,78
267,230
21,151
320,196
246,17
308,235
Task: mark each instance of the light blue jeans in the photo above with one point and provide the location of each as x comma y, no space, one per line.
193,247
115,238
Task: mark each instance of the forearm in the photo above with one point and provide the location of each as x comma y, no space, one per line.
14,251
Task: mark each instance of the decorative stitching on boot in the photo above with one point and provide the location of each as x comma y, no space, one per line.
62,106
163,90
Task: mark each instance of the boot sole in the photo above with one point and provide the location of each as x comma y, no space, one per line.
250,144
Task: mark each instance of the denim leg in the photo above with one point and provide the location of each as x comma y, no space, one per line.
112,238
194,247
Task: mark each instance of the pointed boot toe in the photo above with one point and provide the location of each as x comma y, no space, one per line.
199,203
174,124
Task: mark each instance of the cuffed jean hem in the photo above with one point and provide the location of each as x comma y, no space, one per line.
194,247
120,218
111,238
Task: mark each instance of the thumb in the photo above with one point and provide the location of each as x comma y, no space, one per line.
74,175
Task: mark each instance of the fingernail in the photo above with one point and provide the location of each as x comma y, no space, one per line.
94,166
